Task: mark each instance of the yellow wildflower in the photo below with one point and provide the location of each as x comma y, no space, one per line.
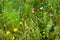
13,38
15,29
8,32
0,14
21,22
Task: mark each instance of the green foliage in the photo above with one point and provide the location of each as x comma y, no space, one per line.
30,19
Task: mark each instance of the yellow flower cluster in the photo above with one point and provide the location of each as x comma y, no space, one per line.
21,22
15,29
8,32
